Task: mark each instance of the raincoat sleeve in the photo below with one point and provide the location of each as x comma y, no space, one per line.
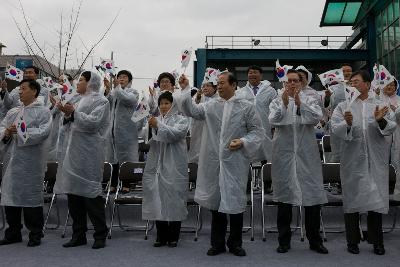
189,108
339,125
171,134
310,111
6,122
93,121
255,133
391,124
128,96
277,111
37,135
9,98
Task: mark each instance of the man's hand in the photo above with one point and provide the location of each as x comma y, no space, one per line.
380,113
10,130
348,117
198,95
107,86
3,85
183,81
328,93
52,100
68,109
152,91
153,123
235,144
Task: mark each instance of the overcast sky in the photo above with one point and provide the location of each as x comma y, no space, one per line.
148,36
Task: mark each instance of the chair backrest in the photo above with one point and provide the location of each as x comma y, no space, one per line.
266,173
51,171
331,172
131,171
192,170
107,172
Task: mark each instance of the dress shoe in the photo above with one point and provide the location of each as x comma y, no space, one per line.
158,244
319,248
34,242
172,244
215,251
238,251
283,248
8,242
353,248
379,249
75,242
99,243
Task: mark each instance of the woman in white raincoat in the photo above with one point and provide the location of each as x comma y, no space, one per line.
232,135
82,170
165,178
392,100
123,132
364,161
206,93
166,82
296,164
24,164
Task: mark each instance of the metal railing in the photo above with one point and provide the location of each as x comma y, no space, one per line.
275,42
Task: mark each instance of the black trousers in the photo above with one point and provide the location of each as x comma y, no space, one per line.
79,207
312,223
374,225
168,231
33,220
219,224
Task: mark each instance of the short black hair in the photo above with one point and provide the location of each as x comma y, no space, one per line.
167,75
34,85
125,72
364,75
254,67
294,71
87,75
36,69
347,64
166,95
303,71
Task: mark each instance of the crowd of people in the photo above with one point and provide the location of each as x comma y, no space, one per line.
230,128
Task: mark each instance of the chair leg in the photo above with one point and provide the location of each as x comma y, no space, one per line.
3,219
196,234
323,227
301,224
48,213
147,230
360,228
65,226
112,221
252,215
263,219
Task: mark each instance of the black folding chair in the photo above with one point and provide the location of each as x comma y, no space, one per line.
130,172
50,198
326,147
267,201
393,203
107,175
192,170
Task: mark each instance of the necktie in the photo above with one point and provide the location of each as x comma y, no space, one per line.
255,90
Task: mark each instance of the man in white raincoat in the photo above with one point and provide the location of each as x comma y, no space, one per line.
296,165
364,161
261,93
332,100
123,131
165,178
233,133
25,164
11,99
82,170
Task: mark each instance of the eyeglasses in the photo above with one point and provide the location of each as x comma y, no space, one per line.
165,81
293,80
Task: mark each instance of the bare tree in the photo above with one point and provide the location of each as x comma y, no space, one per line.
65,39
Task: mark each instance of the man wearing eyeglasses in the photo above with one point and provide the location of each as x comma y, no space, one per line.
296,165
364,159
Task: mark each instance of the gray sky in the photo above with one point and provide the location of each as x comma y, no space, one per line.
148,36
